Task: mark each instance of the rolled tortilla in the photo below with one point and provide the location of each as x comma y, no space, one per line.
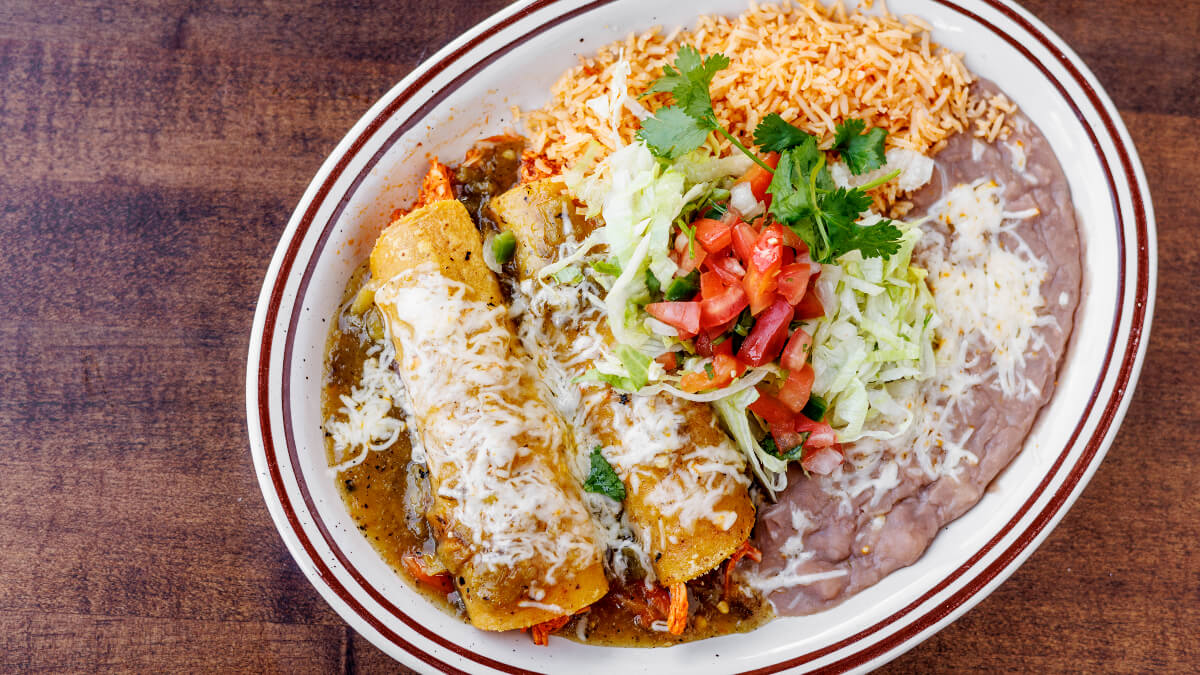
508,518
687,491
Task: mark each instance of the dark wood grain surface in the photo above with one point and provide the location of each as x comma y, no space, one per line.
152,153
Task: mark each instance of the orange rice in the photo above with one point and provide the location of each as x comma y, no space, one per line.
816,66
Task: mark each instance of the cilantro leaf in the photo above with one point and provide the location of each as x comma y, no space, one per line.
767,443
878,240
815,408
804,198
602,479
794,197
862,152
676,130
652,284
689,80
671,133
774,134
848,203
847,130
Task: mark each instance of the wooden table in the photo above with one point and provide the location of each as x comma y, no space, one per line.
152,153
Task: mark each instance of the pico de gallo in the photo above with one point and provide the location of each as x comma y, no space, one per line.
753,281
750,285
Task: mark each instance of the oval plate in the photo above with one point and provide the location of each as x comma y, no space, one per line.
464,92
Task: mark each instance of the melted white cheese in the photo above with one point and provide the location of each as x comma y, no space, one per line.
364,423
794,559
987,285
562,326
482,418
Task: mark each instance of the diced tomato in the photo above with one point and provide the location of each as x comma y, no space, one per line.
695,381
725,369
724,346
744,237
713,235
795,354
711,285
793,281
706,338
770,409
727,365
802,253
810,307
415,565
760,288
723,308
786,437
669,361
786,235
767,254
796,389
684,316
769,334
726,267
821,461
759,178
820,433
687,256
789,256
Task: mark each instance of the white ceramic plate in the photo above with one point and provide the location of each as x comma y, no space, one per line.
463,93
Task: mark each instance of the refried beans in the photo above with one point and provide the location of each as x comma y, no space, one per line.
822,544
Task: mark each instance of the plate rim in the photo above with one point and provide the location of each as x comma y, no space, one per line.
260,373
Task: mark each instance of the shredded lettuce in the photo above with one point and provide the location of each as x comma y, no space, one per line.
639,197
770,470
877,331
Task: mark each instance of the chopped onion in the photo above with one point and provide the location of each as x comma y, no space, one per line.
741,197
489,257
659,328
822,461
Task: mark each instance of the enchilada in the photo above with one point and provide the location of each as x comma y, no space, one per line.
688,502
508,519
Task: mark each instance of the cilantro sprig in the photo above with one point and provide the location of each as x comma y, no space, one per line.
862,150
676,130
805,198
803,195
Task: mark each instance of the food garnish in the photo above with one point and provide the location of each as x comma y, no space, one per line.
602,479
804,196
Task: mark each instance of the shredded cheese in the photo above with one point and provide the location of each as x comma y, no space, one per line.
645,438
365,422
483,421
